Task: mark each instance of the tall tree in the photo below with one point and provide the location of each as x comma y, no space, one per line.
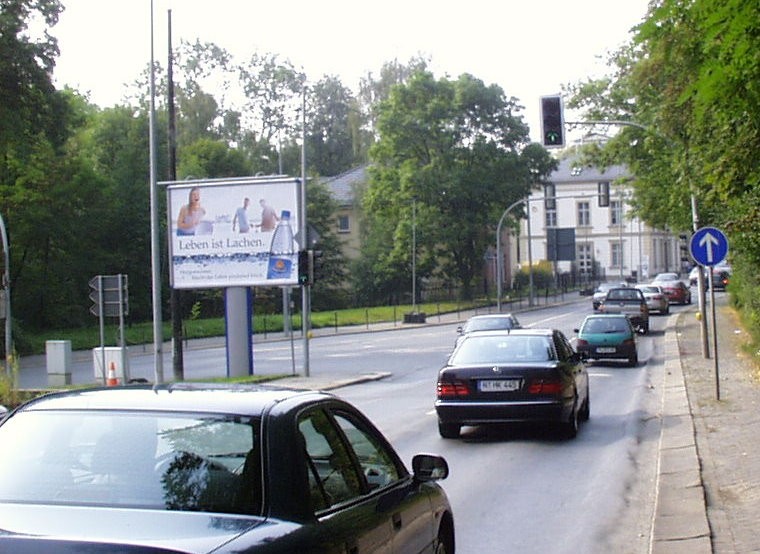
329,141
450,157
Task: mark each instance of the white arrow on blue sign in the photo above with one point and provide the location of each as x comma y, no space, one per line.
708,246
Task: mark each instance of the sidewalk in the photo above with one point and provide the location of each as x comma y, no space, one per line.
726,432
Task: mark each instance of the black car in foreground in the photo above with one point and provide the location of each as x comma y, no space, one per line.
204,468
522,375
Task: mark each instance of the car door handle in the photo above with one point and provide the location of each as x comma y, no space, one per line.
397,523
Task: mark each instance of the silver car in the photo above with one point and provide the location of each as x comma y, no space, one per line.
656,298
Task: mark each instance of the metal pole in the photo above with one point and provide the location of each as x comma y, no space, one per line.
530,256
305,290
715,335
158,338
414,256
7,286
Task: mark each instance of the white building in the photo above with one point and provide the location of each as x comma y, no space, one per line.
609,243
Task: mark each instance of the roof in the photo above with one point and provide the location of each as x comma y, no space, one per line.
569,171
342,186
244,399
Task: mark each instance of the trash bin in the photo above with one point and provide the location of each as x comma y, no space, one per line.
58,358
115,355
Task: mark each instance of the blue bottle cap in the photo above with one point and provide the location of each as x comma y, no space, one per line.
285,214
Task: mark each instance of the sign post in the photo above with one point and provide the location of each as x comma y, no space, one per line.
709,246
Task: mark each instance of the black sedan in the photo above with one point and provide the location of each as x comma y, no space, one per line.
522,375
203,468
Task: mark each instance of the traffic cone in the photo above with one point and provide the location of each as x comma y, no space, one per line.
111,379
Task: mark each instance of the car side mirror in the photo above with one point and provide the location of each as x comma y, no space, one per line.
429,467
459,329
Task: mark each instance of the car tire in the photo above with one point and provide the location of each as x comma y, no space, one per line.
569,428
449,430
444,543
585,412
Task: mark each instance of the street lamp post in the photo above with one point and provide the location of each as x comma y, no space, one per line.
7,299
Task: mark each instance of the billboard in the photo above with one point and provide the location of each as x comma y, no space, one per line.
233,232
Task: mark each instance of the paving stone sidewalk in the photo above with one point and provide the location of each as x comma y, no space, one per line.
727,429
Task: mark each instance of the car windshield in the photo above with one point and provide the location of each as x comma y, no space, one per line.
649,289
489,324
155,461
502,349
599,325
624,294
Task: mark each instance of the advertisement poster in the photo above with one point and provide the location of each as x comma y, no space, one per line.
234,232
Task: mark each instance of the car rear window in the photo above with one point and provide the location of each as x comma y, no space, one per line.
146,460
502,349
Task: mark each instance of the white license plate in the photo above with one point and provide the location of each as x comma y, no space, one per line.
606,350
499,385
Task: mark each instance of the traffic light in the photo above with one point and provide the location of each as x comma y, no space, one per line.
305,272
603,188
552,121
317,269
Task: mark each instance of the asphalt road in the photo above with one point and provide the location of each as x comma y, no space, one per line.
514,489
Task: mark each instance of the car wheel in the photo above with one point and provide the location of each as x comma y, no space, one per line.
449,430
585,412
569,428
445,541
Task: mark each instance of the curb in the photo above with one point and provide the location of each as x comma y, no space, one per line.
680,516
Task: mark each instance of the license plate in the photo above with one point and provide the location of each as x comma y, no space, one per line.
606,350
499,385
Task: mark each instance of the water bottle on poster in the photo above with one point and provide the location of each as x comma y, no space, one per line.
282,249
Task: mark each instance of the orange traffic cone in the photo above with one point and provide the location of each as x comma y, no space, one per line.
111,379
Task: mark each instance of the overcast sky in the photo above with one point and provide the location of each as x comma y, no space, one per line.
530,48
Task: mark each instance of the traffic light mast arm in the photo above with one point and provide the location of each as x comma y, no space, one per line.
610,122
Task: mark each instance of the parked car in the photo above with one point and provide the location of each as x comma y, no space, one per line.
203,468
601,292
676,291
607,337
657,300
520,375
629,301
489,322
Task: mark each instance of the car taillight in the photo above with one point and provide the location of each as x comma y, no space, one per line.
581,342
545,386
452,389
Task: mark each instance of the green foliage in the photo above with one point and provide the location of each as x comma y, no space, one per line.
690,79
543,276
450,156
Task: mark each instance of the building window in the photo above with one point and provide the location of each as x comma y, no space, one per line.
616,212
616,254
584,214
583,255
344,225
551,218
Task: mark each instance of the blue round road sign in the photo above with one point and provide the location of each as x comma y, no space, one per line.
708,246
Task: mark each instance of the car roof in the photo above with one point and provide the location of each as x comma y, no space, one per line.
607,316
490,316
242,399
511,332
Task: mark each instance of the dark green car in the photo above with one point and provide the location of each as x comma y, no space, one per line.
607,337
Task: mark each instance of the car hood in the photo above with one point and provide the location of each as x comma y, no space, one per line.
69,528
